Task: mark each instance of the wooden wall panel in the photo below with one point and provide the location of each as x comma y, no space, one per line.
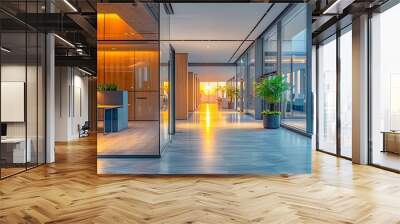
194,92
146,71
191,92
147,106
131,71
119,69
198,91
181,84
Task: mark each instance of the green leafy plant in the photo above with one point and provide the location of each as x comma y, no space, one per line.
271,89
107,87
270,113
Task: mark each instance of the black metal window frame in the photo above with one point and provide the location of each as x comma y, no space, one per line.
338,33
44,76
387,5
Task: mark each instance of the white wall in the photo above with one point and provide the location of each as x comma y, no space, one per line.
71,103
214,73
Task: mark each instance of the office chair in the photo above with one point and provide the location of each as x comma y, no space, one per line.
84,130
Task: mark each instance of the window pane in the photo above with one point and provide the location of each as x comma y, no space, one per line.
346,92
129,59
250,82
294,63
271,51
385,84
14,153
327,95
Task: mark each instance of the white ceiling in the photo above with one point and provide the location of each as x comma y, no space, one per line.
214,73
218,21
208,51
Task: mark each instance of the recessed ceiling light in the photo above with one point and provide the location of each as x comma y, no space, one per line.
84,71
5,50
64,40
70,5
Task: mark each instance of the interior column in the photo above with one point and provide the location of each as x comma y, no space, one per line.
360,90
181,86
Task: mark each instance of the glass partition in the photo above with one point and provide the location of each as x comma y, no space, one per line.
294,68
250,81
346,74
385,89
241,82
165,61
327,96
129,97
22,91
271,51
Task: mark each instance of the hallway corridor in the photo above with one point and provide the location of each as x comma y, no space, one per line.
222,142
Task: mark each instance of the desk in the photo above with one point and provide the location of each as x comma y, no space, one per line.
16,153
110,117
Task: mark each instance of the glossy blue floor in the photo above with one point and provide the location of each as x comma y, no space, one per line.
222,142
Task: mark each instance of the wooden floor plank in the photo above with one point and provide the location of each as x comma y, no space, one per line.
70,191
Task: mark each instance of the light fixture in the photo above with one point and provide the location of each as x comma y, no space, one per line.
84,71
5,50
70,5
64,40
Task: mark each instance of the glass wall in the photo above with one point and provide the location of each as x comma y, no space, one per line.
129,96
385,89
164,77
241,76
22,79
294,64
271,51
250,81
326,125
346,94
285,52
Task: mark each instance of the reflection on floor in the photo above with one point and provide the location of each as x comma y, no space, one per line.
141,138
8,171
387,159
219,142
299,123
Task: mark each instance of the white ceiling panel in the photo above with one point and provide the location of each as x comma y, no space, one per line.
219,21
207,51
268,19
214,73
215,21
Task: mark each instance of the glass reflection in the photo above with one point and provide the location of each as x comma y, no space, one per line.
327,95
294,53
129,77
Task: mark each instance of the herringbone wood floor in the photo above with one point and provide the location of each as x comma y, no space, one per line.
69,191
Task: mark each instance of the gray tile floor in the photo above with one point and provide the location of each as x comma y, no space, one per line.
222,142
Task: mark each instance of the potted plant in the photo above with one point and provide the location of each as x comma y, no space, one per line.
231,92
271,90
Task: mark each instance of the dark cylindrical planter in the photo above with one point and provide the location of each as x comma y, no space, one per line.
272,121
